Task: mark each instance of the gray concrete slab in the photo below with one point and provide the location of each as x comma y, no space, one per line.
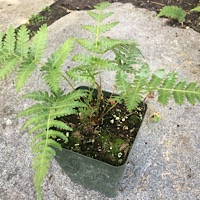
17,12
165,160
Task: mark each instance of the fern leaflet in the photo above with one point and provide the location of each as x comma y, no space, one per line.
22,46
165,91
9,42
173,12
100,29
25,71
98,17
9,66
102,6
39,44
51,70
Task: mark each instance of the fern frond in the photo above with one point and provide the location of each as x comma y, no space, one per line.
51,70
173,12
84,59
8,66
198,93
169,87
105,44
178,97
34,109
99,17
25,71
38,44
126,55
95,62
1,42
102,6
43,157
134,93
38,96
60,125
122,82
22,46
42,118
100,29
105,64
133,98
156,80
81,74
196,9
86,43
191,92
9,42
165,91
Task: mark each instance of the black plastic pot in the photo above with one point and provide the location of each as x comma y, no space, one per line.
91,173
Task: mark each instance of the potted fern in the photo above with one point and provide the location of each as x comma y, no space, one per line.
75,120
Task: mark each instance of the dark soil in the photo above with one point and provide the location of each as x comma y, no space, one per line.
109,138
62,7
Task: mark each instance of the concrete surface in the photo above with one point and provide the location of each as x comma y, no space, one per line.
164,163
17,12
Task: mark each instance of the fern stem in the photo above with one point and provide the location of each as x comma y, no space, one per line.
103,114
68,81
98,68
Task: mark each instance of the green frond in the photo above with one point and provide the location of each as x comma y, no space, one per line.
173,12
95,62
105,64
34,120
133,98
9,66
52,77
76,94
198,93
191,92
22,46
38,96
51,70
37,128
102,6
99,17
35,109
104,44
25,71
84,59
134,94
122,83
9,42
42,118
196,9
38,44
60,125
100,29
156,80
179,97
169,87
53,134
126,55
88,44
1,42
42,160
164,92
81,74
49,151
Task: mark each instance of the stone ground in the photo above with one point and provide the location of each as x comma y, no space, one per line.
164,163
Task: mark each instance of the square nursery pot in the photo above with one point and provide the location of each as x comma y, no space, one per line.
89,172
